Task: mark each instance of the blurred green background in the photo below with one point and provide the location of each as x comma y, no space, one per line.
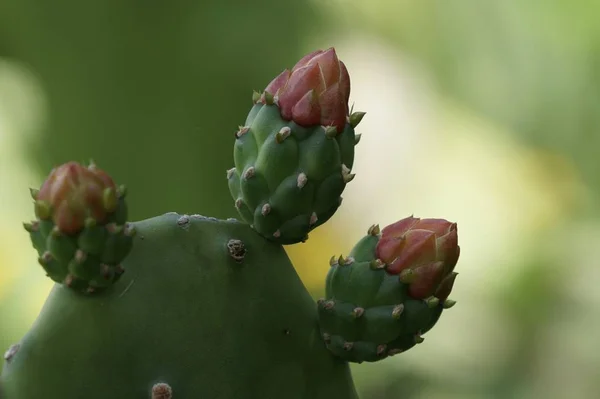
485,113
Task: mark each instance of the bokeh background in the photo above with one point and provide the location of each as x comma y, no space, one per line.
486,113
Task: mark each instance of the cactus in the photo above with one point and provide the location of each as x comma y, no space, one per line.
294,155
390,290
195,307
81,233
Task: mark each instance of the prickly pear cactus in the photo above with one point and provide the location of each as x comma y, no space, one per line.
206,308
195,307
390,291
294,155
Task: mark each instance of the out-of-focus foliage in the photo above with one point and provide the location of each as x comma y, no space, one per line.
153,92
533,67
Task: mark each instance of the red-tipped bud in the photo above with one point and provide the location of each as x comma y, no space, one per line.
315,91
426,280
278,82
415,247
307,111
428,247
73,193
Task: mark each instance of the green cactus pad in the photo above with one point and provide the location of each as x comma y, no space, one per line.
207,309
367,314
288,179
90,260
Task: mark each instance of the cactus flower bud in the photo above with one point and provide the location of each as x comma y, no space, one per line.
74,193
423,252
400,278
315,91
81,232
295,151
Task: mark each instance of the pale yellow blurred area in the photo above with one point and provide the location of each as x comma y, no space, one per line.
21,114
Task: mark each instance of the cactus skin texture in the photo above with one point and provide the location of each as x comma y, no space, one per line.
377,308
81,231
294,155
206,309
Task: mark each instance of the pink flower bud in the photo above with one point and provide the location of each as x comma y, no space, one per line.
426,247
315,91
74,193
